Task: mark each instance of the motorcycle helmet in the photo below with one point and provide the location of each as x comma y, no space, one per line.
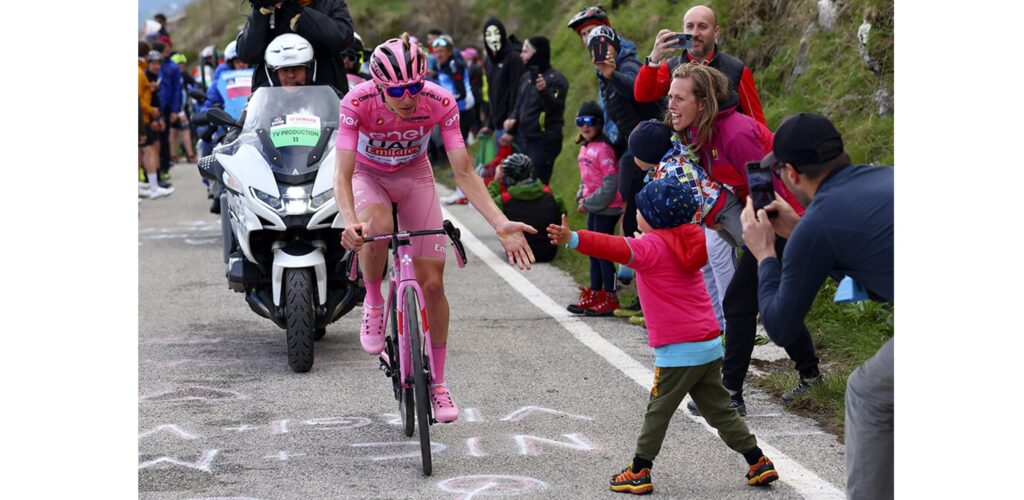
230,52
286,51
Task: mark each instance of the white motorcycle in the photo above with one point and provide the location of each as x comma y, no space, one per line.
279,219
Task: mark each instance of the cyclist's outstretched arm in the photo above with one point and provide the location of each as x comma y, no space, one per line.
510,233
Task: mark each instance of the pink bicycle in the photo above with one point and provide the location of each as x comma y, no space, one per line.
411,370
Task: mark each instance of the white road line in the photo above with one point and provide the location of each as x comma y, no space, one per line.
805,482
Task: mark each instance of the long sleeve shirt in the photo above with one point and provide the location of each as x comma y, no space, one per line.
847,230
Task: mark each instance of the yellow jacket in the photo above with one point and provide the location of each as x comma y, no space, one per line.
145,94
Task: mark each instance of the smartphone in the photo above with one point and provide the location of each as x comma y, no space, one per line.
534,73
762,189
683,41
598,48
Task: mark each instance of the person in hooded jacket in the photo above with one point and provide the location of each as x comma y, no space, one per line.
325,23
538,116
519,194
503,68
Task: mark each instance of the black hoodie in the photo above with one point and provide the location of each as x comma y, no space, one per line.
540,115
503,70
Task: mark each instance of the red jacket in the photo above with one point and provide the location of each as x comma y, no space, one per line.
668,279
652,83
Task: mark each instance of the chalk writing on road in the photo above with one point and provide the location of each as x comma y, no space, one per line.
530,445
469,487
526,411
192,393
171,428
414,445
203,463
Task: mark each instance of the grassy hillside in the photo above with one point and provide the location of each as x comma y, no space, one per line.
799,64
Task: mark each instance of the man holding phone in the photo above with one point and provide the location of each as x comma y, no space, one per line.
701,23
847,230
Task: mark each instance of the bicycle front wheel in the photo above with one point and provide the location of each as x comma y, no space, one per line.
421,381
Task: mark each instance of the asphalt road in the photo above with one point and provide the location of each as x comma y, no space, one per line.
551,406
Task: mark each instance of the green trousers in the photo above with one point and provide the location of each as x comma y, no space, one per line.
704,384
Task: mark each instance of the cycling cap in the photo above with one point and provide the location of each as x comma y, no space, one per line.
230,52
589,17
516,168
666,203
179,58
396,62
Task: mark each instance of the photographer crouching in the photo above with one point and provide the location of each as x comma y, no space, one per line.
846,230
326,24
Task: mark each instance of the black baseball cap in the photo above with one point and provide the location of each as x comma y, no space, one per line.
804,140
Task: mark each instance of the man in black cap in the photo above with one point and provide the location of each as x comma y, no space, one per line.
538,115
846,230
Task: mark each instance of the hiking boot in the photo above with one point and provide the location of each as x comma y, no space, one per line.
588,297
445,409
803,386
628,310
606,304
762,473
371,331
625,275
637,483
735,402
638,320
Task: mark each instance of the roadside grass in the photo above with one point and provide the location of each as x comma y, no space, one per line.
845,335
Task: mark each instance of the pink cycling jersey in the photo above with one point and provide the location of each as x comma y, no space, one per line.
383,140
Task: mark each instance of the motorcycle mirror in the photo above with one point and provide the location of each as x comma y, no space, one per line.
218,116
198,95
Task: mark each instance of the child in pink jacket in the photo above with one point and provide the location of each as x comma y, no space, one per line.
599,198
681,326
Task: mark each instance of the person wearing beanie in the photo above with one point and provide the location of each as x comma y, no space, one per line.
655,151
681,326
616,76
524,198
599,198
538,114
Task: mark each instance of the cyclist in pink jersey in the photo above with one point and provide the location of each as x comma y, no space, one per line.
382,139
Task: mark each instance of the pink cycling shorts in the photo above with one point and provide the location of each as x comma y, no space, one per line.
419,207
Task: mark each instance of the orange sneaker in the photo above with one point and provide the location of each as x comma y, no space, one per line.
637,483
762,473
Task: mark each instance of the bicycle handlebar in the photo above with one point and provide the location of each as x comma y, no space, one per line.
448,229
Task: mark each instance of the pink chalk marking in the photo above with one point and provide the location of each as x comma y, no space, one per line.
193,393
203,463
279,427
174,429
491,485
284,455
471,415
473,444
242,428
530,410
528,445
338,423
434,448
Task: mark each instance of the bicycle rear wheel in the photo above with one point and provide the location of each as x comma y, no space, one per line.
420,379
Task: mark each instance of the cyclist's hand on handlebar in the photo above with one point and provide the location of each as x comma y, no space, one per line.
514,242
352,236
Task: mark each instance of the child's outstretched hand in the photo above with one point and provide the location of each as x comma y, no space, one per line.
559,235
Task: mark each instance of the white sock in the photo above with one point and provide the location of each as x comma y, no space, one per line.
153,181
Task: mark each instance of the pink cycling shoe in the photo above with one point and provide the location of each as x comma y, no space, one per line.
371,332
445,409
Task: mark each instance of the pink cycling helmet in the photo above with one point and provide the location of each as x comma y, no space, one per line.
397,62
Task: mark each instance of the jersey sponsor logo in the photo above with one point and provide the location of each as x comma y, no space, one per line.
393,150
405,135
355,102
366,96
347,120
453,120
445,102
417,118
380,121
431,95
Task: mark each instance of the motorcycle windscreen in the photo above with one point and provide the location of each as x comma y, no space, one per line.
292,126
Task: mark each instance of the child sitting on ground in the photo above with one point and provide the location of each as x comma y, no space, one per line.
523,198
681,326
599,198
